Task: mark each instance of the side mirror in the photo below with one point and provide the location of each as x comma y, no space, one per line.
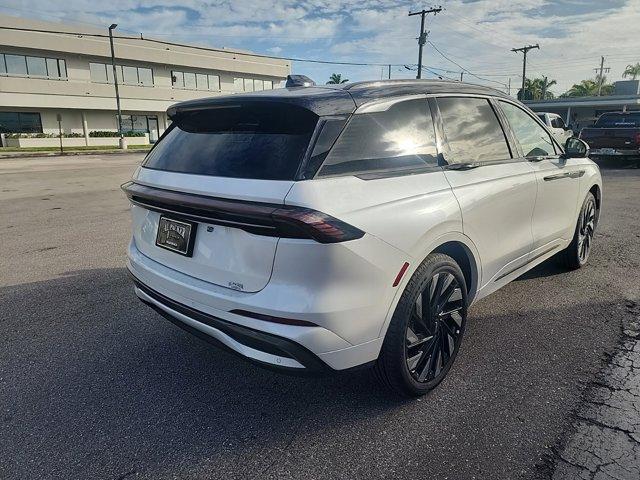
575,148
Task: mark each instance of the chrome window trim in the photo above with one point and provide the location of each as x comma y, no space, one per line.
382,105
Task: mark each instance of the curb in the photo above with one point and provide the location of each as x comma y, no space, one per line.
71,153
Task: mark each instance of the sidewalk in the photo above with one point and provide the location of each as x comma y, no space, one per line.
605,443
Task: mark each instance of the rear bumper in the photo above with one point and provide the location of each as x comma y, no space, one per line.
262,348
347,311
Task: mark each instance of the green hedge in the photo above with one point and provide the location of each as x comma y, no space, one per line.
43,135
105,133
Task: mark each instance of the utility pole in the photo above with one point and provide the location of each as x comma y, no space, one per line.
509,92
389,72
602,71
461,75
422,39
112,27
524,50
544,88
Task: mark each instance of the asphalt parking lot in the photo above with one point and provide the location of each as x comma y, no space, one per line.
93,384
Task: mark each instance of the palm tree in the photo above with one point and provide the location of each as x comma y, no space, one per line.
632,71
589,88
336,78
535,87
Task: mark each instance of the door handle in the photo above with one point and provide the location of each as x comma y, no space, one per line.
558,176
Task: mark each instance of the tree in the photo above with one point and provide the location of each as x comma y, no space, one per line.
336,78
534,88
632,71
589,88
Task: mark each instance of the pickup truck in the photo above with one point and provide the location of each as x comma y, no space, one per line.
614,134
555,123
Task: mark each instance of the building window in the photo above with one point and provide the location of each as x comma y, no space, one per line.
195,81
20,122
127,75
251,85
37,67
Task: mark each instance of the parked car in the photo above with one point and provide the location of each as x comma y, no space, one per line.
324,228
615,134
556,126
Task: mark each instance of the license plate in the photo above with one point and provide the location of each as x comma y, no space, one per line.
176,235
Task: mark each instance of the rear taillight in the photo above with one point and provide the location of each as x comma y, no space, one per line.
290,222
255,217
638,139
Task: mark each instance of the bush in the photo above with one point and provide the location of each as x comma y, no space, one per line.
105,133
43,135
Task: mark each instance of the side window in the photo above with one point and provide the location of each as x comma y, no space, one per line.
557,122
534,140
472,131
400,138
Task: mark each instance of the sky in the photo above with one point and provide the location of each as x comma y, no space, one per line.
474,36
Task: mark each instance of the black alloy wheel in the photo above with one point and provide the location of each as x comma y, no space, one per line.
426,330
434,330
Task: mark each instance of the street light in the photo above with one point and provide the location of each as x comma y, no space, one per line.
112,27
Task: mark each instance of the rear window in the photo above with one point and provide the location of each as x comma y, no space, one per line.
619,120
257,141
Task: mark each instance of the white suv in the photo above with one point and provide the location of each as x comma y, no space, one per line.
315,229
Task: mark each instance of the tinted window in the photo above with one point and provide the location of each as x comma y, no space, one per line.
534,140
189,80
16,64
178,79
472,130
62,67
201,81
20,122
130,75
400,138
609,120
98,72
37,66
145,76
557,122
214,82
242,141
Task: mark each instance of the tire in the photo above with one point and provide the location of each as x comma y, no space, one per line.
576,255
421,344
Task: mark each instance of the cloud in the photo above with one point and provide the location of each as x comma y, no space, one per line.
478,35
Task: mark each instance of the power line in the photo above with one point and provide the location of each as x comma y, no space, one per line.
463,68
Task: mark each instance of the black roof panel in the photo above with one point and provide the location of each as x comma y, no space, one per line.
337,99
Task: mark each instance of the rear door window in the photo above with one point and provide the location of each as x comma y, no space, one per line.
401,138
472,131
248,140
534,140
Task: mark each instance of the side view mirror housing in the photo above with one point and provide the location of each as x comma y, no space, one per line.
575,148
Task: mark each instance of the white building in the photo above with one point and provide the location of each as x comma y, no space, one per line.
44,73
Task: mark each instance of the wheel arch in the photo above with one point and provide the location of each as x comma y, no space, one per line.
458,246
597,193
463,256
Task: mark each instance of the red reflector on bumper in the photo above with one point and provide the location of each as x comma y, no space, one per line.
269,318
403,269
